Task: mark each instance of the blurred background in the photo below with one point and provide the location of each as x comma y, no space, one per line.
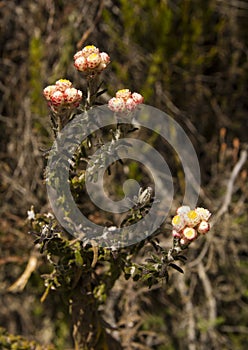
189,59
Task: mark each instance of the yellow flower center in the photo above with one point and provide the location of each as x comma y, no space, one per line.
64,81
192,215
123,91
189,233
176,220
89,47
93,56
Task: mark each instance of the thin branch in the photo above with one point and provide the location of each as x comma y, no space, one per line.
92,27
229,190
209,293
201,255
189,311
21,282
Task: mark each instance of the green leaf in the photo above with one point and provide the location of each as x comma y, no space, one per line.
101,92
181,258
78,258
174,266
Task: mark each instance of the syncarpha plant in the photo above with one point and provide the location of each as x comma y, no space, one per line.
84,272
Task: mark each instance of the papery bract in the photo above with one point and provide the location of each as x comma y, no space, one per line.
138,98
203,227
116,104
190,233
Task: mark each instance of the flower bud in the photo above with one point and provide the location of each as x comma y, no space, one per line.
176,234
78,54
62,95
89,49
130,100
48,91
93,60
73,95
57,98
130,104
105,60
123,93
105,57
184,241
203,227
90,60
116,104
63,84
81,64
138,98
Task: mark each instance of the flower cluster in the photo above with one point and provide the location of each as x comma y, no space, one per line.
62,95
124,101
189,224
90,60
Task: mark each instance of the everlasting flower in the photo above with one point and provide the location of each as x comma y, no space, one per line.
190,233
129,101
31,214
183,210
62,95
192,218
90,60
178,222
203,213
189,224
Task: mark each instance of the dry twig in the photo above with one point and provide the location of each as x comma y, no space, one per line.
228,197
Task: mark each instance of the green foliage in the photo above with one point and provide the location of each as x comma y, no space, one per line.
204,325
66,52
36,54
12,342
180,52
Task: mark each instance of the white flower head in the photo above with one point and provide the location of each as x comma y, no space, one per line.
192,218
178,222
31,214
189,233
203,213
183,210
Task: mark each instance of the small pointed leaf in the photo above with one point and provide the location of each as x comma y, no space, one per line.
174,266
